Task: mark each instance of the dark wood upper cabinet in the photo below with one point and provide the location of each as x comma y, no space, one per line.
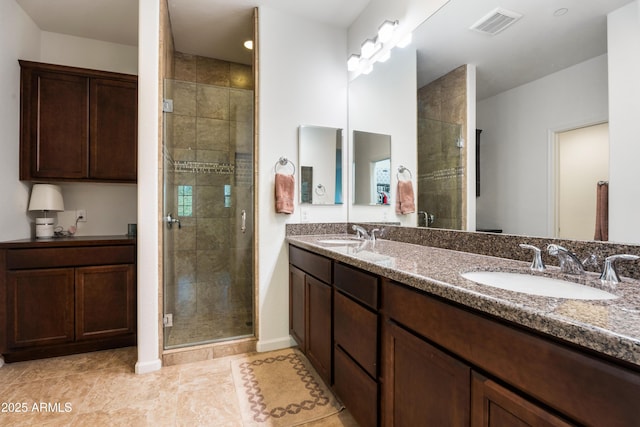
113,129
77,124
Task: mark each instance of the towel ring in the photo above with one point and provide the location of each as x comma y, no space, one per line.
283,161
401,170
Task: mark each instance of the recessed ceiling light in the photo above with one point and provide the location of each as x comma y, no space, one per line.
248,44
561,11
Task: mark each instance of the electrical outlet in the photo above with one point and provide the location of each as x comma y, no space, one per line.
81,215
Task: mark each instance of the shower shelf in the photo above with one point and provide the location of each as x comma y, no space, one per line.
203,167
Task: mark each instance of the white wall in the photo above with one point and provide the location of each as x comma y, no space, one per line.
515,192
63,49
19,38
109,207
302,80
623,40
149,310
385,102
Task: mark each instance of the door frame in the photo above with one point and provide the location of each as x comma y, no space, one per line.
552,167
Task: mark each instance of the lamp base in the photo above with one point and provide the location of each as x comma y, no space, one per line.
44,228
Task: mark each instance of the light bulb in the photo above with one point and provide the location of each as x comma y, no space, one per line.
353,62
385,31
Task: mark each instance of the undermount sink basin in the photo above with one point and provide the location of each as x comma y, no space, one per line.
340,241
537,285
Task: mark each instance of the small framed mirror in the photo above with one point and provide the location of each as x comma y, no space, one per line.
320,159
371,168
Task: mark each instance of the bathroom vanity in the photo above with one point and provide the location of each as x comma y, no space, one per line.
66,295
415,343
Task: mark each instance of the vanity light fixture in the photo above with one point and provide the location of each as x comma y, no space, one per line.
369,48
367,67
353,62
377,49
248,44
386,30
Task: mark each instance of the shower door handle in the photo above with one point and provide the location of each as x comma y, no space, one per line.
171,220
243,216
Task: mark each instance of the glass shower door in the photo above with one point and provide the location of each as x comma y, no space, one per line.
441,175
208,234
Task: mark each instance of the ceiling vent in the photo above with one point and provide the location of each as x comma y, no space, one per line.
495,21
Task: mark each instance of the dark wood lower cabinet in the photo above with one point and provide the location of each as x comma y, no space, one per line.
402,357
422,385
66,296
310,309
104,302
297,306
318,345
496,406
356,389
40,307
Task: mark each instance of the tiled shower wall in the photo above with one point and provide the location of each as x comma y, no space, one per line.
442,120
209,139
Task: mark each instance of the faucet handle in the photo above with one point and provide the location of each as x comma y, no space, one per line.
360,231
609,273
536,264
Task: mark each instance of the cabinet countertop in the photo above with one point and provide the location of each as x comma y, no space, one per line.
609,327
69,242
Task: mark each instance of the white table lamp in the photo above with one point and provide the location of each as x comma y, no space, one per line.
45,197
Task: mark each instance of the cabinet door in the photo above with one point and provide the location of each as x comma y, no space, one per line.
495,406
297,306
421,385
105,301
55,113
319,327
39,307
114,130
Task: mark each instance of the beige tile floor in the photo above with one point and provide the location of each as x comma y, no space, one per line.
101,389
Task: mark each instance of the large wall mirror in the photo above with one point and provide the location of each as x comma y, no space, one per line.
320,159
371,168
547,73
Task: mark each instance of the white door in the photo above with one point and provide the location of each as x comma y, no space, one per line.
583,161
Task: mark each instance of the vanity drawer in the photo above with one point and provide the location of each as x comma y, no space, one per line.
356,331
22,259
357,284
356,389
310,263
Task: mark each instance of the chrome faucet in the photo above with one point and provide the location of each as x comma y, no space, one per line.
361,232
609,274
536,264
569,262
372,236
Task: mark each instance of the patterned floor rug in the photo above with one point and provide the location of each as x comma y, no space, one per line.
281,388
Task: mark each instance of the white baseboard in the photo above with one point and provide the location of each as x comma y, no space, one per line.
275,344
146,367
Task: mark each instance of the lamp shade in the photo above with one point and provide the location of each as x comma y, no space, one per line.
46,197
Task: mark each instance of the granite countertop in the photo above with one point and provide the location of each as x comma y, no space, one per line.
611,327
